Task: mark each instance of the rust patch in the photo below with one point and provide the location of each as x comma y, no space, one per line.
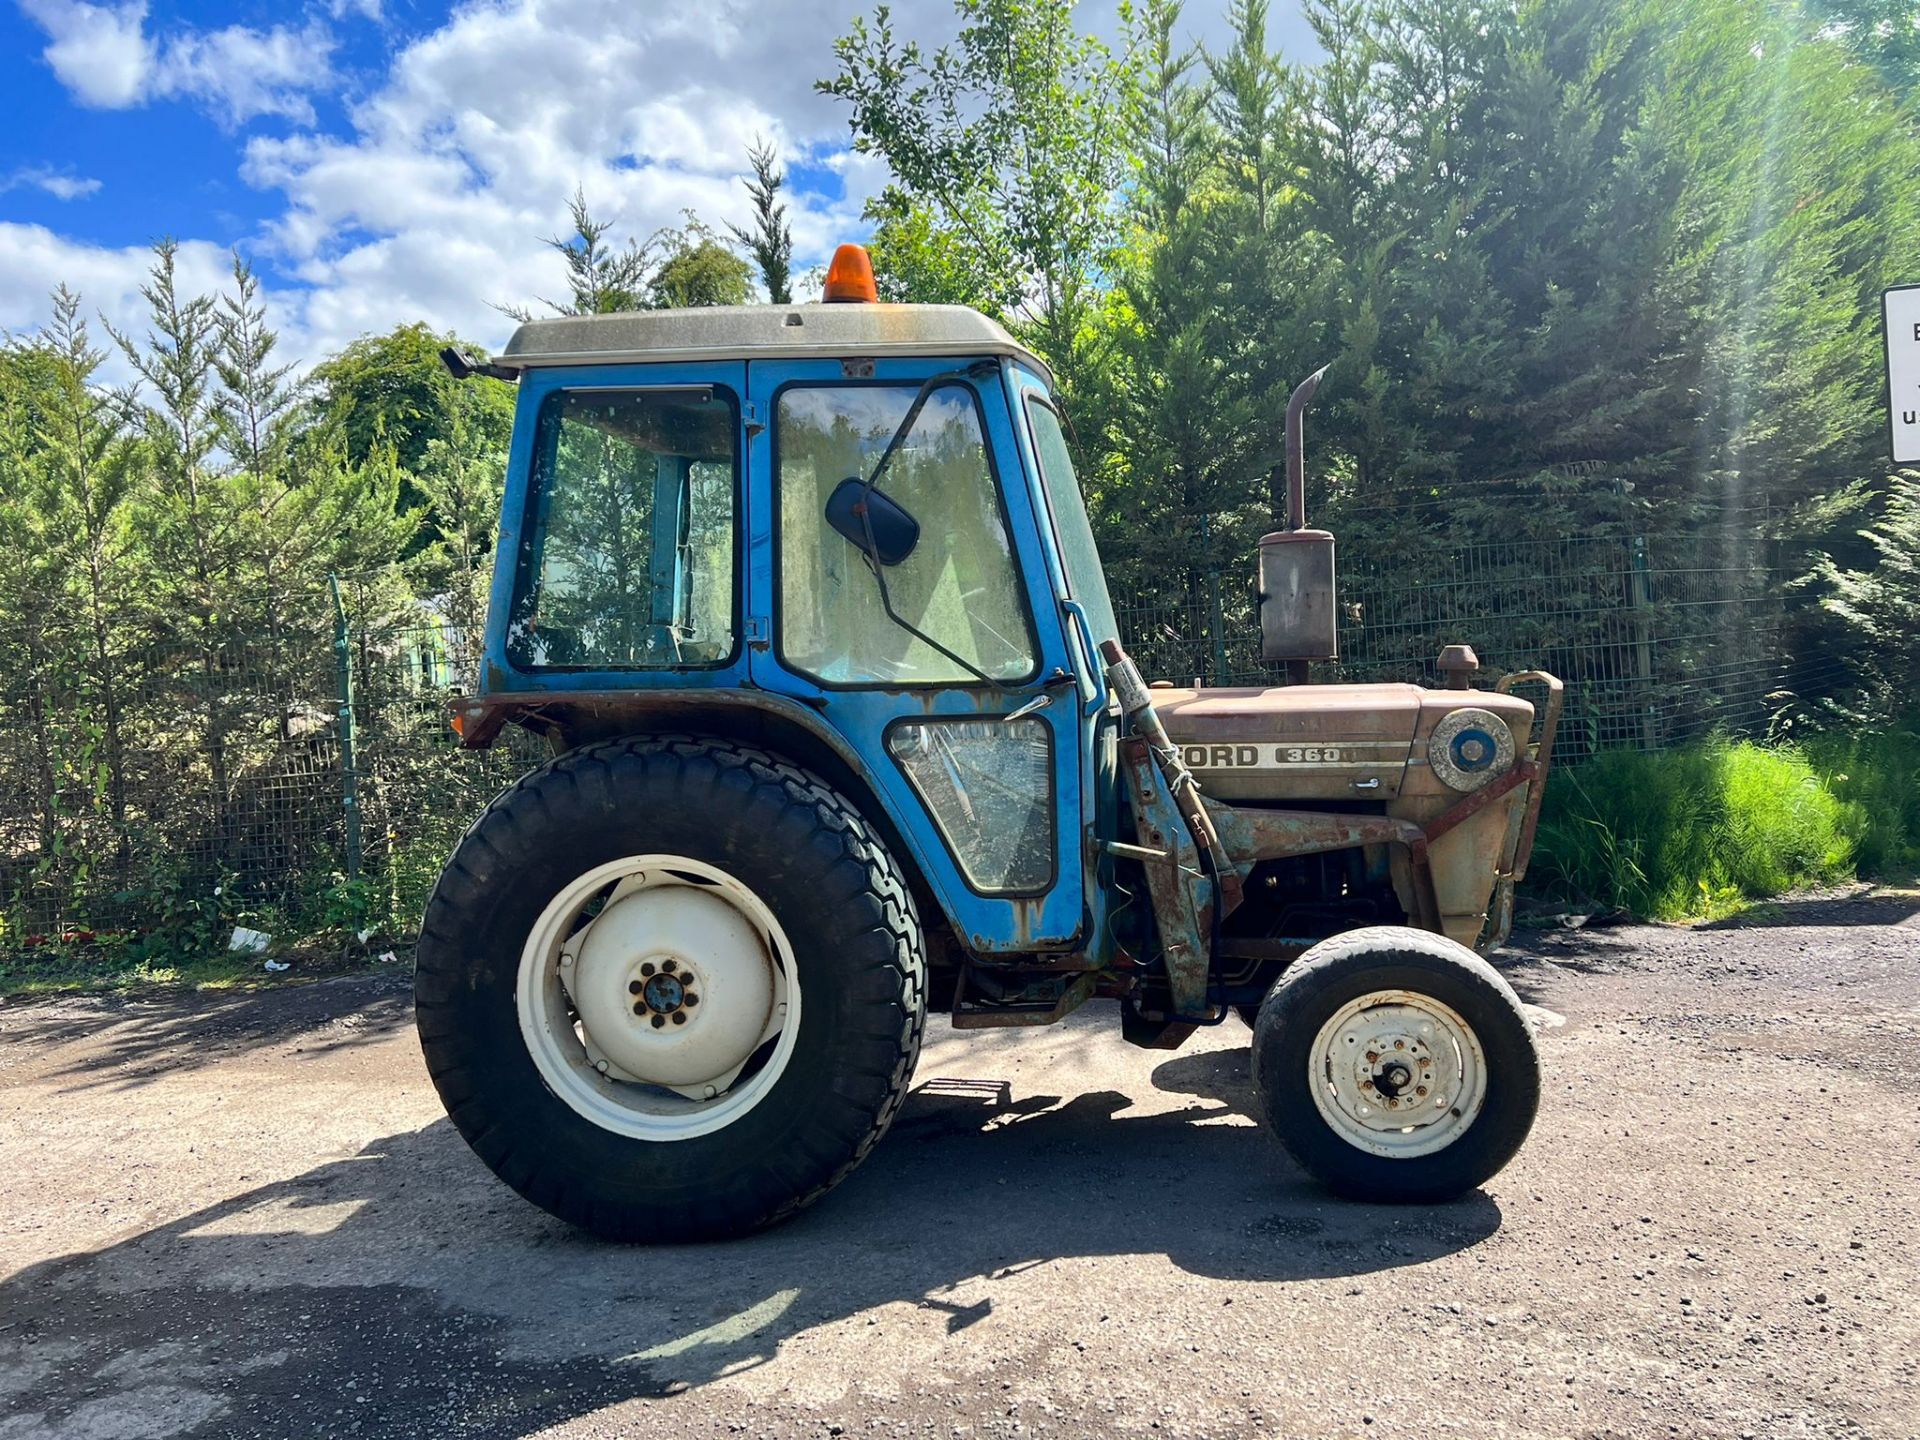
1181,895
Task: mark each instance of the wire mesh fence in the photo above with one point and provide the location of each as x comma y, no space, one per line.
1656,645
306,781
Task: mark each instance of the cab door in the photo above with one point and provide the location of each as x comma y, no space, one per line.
942,661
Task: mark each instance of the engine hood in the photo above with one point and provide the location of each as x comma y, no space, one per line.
1318,742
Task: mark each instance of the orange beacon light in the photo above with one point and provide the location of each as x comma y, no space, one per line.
850,278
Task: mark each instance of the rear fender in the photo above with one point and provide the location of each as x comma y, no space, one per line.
776,723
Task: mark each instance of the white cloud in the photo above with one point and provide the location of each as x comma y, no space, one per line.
58,183
99,52
106,59
436,204
462,155
34,261
240,73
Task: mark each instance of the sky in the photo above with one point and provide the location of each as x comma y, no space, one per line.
382,161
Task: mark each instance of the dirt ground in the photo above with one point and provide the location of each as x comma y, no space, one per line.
245,1215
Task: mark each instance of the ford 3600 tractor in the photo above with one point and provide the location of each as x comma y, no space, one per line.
806,601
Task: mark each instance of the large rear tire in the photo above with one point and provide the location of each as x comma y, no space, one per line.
671,988
1396,1065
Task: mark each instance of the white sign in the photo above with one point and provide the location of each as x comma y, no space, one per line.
1903,371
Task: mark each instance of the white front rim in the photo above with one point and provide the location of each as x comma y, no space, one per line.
1397,1073
658,997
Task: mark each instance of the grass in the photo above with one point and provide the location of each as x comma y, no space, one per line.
1876,775
1695,831
67,969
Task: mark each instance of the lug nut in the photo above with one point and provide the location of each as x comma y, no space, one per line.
668,966
634,987
691,998
679,1017
639,1008
647,969
658,1021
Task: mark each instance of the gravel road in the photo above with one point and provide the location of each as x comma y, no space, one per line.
245,1215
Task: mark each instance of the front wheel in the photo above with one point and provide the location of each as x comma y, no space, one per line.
1395,1065
671,988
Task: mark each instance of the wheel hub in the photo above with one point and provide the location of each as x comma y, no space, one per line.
1398,1073
649,1011
665,993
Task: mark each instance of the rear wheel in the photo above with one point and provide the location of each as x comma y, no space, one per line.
1396,1065
671,988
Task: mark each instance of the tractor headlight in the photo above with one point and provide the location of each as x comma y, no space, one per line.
1470,747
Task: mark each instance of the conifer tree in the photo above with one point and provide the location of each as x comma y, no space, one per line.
770,240
89,481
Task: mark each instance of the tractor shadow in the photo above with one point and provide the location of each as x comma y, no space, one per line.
407,1275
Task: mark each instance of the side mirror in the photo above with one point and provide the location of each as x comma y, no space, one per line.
854,510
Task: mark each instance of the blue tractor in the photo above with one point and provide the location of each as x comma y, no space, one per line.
806,602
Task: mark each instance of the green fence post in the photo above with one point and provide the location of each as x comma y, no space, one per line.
1640,597
1216,619
349,777
1217,623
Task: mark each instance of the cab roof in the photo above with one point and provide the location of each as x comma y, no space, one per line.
761,332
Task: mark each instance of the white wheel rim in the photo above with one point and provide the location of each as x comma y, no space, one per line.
1398,1074
671,1010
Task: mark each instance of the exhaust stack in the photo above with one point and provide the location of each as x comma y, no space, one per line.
1298,616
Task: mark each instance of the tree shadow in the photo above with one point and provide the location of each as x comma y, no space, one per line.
122,1041
405,1286
1882,908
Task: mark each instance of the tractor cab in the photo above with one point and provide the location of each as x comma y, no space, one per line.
806,600
861,520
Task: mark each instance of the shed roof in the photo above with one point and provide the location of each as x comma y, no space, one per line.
759,332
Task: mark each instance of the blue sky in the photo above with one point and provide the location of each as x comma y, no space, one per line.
388,160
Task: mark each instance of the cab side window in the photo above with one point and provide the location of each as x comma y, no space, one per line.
959,585
627,557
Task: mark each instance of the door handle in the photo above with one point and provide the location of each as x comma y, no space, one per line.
1038,702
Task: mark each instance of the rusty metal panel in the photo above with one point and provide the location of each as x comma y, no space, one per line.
1182,896
1302,742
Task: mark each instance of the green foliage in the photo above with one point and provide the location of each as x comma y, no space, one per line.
1588,268
1884,34
602,279
162,557
696,269
1006,152
391,394
674,268
1876,774
770,240
1880,603
1684,831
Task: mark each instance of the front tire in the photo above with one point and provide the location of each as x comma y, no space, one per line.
671,988
1395,1065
